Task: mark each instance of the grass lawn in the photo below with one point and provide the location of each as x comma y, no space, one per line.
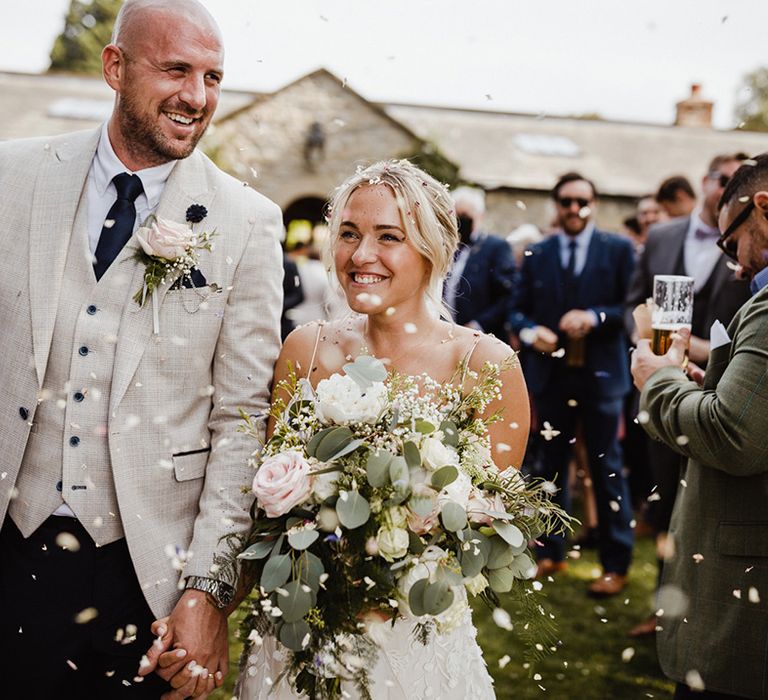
589,664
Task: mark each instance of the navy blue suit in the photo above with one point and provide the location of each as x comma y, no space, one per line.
592,393
485,288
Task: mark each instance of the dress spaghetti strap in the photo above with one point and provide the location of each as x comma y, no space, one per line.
468,357
320,325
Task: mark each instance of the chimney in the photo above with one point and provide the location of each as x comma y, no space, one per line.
695,111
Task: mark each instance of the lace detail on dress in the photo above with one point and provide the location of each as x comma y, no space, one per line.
449,667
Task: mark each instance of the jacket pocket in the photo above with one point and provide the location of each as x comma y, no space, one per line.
190,465
743,539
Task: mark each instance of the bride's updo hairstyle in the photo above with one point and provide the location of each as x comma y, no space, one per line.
426,209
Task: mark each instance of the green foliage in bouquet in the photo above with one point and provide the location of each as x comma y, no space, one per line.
379,498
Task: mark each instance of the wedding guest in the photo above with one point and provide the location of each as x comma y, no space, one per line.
570,297
686,246
676,196
122,465
482,276
711,637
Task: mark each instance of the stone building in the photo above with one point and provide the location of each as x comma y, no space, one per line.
299,142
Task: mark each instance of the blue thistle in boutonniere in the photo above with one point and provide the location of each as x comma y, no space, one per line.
196,213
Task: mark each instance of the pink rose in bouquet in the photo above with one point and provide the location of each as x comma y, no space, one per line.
166,239
282,482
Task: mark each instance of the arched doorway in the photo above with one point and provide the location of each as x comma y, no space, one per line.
304,221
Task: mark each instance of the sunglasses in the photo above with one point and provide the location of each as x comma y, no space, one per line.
721,179
566,202
730,247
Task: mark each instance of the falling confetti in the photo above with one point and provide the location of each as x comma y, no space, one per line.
504,660
502,619
694,680
410,328
67,541
627,654
85,616
548,432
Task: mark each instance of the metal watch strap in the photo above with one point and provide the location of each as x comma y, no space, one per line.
221,593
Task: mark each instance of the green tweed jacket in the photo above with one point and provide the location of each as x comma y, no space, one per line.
714,592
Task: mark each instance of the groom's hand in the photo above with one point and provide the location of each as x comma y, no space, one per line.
191,651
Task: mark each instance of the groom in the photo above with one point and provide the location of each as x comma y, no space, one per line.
122,467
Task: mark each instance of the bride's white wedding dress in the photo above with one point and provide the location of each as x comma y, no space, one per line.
449,667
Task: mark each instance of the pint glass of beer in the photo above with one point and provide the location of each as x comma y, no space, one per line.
672,309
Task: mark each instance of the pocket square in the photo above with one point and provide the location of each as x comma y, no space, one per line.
195,279
718,336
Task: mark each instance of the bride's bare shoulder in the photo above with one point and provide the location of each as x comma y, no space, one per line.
321,344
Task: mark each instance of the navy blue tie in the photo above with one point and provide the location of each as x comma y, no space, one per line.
570,272
118,228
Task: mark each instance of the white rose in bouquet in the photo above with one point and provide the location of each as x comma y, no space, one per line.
481,504
392,542
324,485
395,517
435,454
457,491
340,401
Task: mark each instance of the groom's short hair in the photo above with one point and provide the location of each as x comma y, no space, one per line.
751,177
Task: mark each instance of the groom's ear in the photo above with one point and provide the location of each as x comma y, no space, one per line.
112,66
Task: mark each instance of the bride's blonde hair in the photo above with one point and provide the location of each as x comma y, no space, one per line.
426,209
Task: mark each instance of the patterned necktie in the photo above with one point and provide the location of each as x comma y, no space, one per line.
118,227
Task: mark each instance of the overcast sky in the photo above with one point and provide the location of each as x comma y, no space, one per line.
622,59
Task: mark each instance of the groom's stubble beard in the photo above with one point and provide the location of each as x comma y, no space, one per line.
143,136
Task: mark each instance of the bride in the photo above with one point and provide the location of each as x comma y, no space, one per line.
393,236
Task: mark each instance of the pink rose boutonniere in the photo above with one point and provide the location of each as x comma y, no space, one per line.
169,251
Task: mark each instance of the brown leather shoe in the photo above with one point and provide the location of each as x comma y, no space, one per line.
607,585
549,567
644,629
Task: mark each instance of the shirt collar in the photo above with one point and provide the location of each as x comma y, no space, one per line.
697,223
582,239
759,281
106,165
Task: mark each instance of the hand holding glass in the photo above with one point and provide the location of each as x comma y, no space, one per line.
672,309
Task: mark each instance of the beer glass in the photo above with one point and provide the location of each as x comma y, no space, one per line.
672,309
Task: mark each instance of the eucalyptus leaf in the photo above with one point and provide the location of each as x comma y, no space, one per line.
415,545
421,505
316,439
471,561
303,538
444,476
479,540
353,510
509,532
416,597
366,370
331,443
399,473
450,433
310,568
424,427
412,454
377,467
297,603
293,634
438,597
276,572
259,550
454,517
523,567
347,449
501,554
501,580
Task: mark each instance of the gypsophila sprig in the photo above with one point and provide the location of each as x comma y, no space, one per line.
169,251
378,494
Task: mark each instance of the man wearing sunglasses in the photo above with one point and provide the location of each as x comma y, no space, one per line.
686,246
714,635
567,312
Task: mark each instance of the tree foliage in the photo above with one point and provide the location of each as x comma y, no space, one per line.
87,29
752,106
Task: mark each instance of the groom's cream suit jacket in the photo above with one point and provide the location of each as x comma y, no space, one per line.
135,430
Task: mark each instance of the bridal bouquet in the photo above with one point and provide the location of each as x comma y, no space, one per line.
380,500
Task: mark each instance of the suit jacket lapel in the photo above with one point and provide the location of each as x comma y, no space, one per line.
186,185
58,191
555,269
720,275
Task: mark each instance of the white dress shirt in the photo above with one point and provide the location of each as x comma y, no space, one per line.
699,255
102,193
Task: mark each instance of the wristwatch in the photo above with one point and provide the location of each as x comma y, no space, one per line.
221,594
